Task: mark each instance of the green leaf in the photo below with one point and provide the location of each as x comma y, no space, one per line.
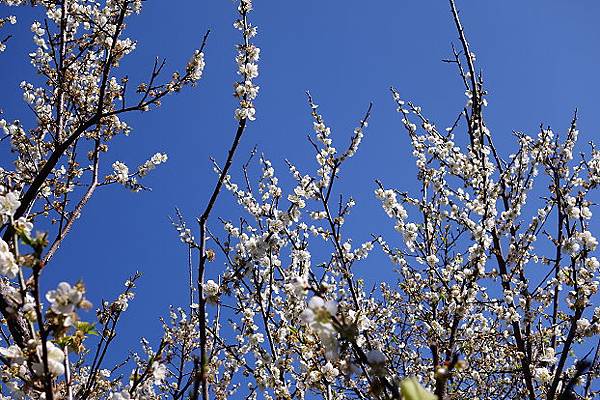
412,390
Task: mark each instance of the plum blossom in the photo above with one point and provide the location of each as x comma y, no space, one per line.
56,358
330,372
211,290
496,264
8,265
121,172
298,285
195,67
64,299
549,356
583,326
319,311
159,372
13,353
572,246
247,57
22,225
318,316
588,240
432,260
152,163
542,374
9,203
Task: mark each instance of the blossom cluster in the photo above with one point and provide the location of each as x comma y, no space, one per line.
494,290
11,19
247,57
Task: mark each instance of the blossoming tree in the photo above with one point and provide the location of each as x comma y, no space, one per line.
470,315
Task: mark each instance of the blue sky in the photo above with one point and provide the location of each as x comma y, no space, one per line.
540,60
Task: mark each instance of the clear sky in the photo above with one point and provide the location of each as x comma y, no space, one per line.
540,60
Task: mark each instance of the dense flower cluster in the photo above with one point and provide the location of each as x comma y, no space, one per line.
122,175
495,289
79,106
247,57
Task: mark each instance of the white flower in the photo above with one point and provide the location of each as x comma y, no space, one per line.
245,6
13,353
330,372
549,356
64,299
152,163
122,302
56,358
245,113
542,374
257,338
196,66
121,172
249,70
23,225
592,263
211,289
572,247
159,372
410,234
586,213
319,310
8,265
9,204
298,286
572,210
432,260
589,241
159,158
583,325
390,204
318,317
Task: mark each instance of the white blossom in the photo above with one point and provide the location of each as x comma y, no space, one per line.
64,299
56,358
8,265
